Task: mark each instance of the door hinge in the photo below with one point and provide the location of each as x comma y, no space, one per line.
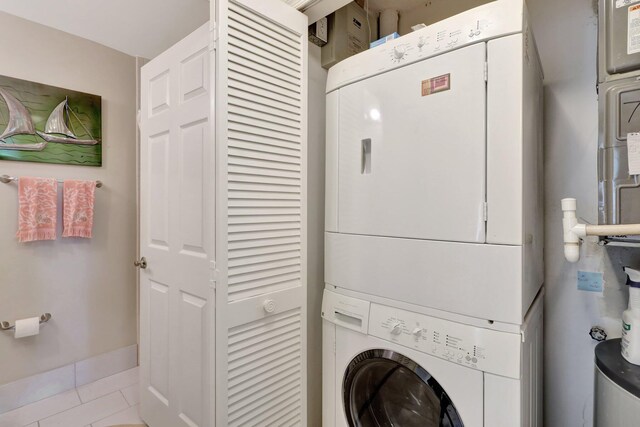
138,118
485,211
213,275
213,36
486,71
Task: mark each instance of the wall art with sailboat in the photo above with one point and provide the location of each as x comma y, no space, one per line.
48,124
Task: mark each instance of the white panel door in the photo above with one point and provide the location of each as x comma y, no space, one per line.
412,153
177,235
261,134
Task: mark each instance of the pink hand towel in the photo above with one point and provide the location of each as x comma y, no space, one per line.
79,199
38,209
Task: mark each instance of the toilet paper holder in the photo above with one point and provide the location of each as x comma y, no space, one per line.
6,326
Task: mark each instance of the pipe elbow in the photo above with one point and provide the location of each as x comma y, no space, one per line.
572,252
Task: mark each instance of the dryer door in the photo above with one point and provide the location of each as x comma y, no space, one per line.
412,150
385,388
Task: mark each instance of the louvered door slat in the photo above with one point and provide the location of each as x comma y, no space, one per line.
252,46
270,28
271,219
253,103
249,51
266,76
263,161
265,42
248,27
264,114
258,186
289,408
264,369
246,125
263,211
262,158
265,143
251,227
254,253
240,88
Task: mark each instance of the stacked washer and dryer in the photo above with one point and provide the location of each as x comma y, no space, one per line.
434,230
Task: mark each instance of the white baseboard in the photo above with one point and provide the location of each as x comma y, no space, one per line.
37,387
31,389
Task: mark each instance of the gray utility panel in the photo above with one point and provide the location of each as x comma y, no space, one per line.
619,106
619,115
618,39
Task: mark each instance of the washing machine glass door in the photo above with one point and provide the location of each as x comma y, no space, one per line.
383,388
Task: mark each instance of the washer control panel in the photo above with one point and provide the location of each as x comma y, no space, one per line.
483,349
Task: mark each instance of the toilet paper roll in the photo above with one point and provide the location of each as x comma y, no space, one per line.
27,327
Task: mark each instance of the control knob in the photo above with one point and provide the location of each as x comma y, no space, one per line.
417,332
421,42
399,52
396,328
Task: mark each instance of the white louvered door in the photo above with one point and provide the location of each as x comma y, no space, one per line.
176,236
260,104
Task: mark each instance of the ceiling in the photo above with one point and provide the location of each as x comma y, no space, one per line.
137,27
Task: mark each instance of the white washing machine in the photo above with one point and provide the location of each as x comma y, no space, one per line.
387,366
434,167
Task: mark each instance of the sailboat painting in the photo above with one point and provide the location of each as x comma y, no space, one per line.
48,124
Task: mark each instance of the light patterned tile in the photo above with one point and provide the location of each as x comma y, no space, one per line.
132,394
108,385
128,416
88,413
39,410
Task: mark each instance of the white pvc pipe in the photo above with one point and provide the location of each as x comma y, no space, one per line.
573,231
571,239
613,230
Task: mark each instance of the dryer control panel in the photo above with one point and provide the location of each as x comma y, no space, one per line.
483,349
480,24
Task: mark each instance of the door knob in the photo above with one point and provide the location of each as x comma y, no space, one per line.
269,306
142,263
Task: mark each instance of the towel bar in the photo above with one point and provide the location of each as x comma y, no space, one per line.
7,179
6,326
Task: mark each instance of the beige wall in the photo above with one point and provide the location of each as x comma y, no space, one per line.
88,286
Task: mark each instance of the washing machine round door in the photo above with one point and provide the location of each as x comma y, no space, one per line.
383,388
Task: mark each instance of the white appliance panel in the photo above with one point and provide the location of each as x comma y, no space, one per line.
480,24
476,348
410,164
463,385
458,278
503,387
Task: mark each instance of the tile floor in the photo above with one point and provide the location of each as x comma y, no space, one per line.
109,401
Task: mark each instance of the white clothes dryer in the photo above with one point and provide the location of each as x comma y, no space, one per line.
386,366
434,167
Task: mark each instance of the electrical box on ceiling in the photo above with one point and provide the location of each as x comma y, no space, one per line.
319,32
619,112
348,34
